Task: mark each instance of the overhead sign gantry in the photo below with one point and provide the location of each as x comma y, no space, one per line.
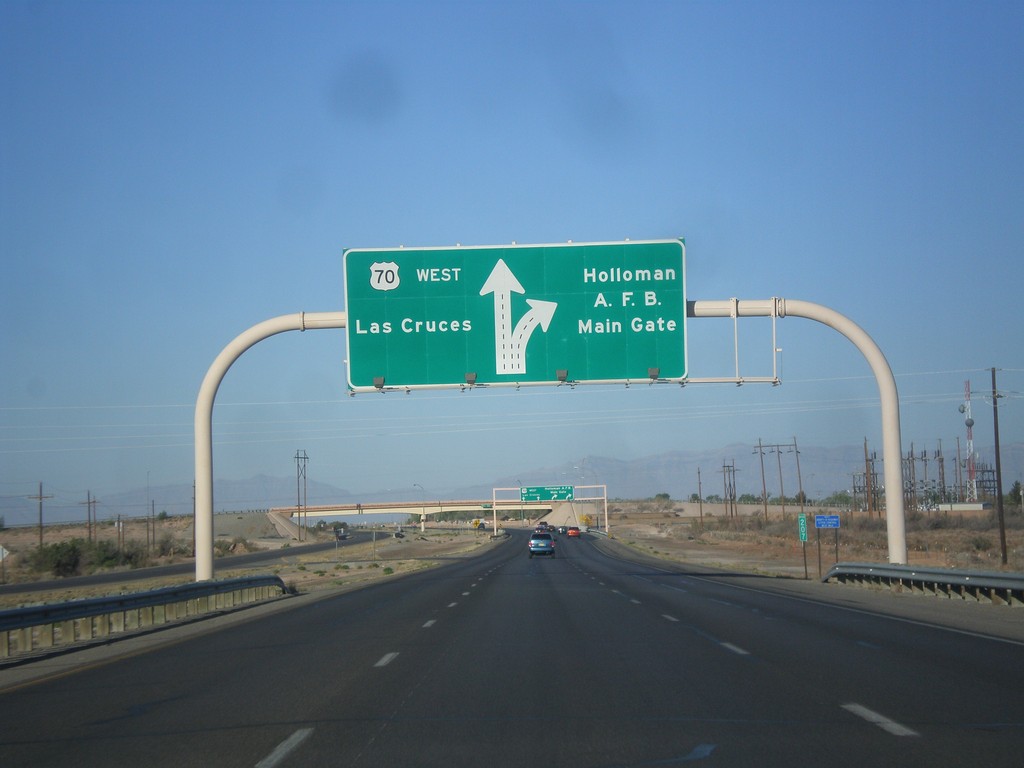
515,315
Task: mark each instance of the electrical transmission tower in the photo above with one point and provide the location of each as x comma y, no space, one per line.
972,473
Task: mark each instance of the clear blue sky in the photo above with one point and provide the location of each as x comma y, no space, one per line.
174,173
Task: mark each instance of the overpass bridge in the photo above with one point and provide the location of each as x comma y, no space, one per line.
484,508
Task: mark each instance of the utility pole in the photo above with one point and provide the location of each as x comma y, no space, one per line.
764,487
700,500
868,490
782,490
39,497
90,513
300,486
777,449
998,471
729,488
799,479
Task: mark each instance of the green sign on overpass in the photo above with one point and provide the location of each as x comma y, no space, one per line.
516,314
547,493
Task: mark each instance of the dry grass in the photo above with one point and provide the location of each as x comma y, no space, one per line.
750,543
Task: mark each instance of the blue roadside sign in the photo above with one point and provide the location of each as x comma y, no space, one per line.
826,521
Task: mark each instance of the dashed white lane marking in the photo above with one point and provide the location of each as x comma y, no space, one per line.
464,594
452,605
282,750
677,589
735,649
670,618
883,722
634,601
430,623
386,659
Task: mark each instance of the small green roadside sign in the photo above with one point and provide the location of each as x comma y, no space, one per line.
516,314
802,524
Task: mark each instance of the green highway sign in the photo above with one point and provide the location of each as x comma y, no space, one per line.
516,314
802,525
547,493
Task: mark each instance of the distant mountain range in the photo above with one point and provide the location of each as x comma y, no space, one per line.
822,471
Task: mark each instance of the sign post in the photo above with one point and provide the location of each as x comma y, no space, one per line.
826,521
515,315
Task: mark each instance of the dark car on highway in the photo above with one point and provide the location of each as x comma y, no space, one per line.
542,544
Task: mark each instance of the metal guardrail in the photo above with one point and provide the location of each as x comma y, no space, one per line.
992,587
38,627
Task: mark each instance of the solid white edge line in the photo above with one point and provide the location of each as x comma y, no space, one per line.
386,659
883,722
282,750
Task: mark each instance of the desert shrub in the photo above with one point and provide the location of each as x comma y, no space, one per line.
78,556
61,559
105,554
168,546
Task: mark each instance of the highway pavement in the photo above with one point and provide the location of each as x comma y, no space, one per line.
587,659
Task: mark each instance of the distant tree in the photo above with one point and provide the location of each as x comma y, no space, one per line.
694,497
1014,498
662,501
748,498
839,499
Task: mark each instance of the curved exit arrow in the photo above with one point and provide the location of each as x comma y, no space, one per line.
540,313
510,344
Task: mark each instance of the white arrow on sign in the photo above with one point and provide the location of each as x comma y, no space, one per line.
540,313
510,343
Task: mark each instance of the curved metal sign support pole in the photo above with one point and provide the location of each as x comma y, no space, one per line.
891,448
300,321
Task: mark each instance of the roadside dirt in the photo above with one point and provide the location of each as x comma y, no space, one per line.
345,567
